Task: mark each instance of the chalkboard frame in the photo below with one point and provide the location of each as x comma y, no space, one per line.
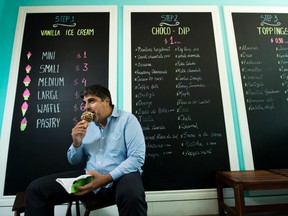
14,68
236,74
233,156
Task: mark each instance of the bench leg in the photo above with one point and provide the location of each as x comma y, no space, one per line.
87,212
19,204
68,211
77,208
16,213
69,208
239,200
220,196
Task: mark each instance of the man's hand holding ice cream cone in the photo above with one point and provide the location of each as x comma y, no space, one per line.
79,131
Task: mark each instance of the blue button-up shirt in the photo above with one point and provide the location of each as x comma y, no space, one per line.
117,149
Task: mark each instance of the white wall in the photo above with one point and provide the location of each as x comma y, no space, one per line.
164,203
172,208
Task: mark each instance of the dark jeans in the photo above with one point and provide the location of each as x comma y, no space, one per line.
44,193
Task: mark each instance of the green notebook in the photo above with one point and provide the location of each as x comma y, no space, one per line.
70,183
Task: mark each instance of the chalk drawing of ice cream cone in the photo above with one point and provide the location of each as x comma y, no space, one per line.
28,68
24,108
27,81
29,54
26,94
23,124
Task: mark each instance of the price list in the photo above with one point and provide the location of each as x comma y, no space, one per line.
61,54
176,96
262,50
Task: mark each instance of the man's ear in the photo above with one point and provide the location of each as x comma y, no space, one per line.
107,99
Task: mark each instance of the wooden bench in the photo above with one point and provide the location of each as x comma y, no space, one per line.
241,181
91,205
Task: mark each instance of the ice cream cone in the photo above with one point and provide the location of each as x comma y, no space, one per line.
23,124
26,94
28,68
24,108
87,117
27,81
29,54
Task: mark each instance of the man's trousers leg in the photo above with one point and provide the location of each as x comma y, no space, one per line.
130,195
44,193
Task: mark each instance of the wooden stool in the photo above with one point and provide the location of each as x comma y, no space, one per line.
19,205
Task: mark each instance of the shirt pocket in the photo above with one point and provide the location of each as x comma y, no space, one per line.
115,141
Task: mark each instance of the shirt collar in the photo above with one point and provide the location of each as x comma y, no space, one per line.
115,112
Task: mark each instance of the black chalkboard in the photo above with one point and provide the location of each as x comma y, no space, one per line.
176,96
61,53
262,47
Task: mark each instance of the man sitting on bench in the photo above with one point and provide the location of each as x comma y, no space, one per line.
113,147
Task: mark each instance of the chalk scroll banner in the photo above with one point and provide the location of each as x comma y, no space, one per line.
176,85
259,53
63,50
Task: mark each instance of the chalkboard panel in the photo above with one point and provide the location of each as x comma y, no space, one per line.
173,82
62,51
259,51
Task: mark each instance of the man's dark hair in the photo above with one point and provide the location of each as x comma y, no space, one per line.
98,90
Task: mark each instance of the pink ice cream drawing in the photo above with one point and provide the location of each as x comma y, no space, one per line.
28,68
26,94
23,124
29,54
27,81
24,108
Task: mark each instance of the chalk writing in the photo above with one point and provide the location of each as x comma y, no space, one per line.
164,79
45,82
